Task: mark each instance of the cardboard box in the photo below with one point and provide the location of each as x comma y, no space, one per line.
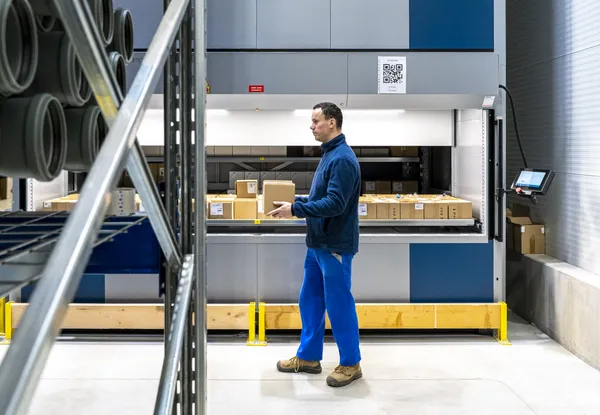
404,151
411,209
277,151
224,151
513,227
246,188
382,207
367,209
241,151
260,151
460,209
436,209
381,152
245,208
405,187
367,152
530,239
277,191
394,209
220,208
210,151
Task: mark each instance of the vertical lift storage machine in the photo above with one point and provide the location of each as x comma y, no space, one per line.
409,274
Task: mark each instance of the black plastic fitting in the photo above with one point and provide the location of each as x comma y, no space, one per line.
33,137
18,46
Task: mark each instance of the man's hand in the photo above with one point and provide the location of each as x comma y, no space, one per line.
283,212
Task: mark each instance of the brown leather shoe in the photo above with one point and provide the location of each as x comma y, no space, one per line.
297,365
344,375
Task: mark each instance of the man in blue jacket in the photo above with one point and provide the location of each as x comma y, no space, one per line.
331,212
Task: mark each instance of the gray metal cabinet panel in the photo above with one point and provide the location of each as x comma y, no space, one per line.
134,67
280,272
381,273
231,272
231,24
146,16
280,73
373,24
430,73
293,24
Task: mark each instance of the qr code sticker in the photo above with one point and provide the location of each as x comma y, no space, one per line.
393,73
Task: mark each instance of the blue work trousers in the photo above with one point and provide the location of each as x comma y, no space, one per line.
327,286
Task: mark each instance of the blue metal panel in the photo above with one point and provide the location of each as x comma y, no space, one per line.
452,25
444,273
134,252
90,290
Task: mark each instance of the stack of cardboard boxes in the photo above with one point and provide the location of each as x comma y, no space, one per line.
124,202
407,207
247,203
522,235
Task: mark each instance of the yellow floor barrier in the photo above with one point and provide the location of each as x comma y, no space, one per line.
2,302
139,317
7,323
486,316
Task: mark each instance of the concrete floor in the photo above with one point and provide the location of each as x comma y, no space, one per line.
406,375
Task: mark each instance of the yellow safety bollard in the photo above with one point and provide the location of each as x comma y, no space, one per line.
502,336
2,303
252,341
251,324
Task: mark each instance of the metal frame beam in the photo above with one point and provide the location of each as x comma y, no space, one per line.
25,359
200,217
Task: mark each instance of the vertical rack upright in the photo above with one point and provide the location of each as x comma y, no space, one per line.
25,359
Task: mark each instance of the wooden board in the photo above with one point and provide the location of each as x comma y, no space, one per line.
397,316
139,316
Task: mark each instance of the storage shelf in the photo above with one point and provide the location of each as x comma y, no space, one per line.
267,159
362,223
27,240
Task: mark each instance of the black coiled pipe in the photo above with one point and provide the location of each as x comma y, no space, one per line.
86,131
33,137
123,38
18,46
59,72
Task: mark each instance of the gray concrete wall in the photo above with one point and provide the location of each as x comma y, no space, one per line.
560,299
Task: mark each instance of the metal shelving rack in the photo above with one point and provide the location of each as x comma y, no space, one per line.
70,247
433,223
